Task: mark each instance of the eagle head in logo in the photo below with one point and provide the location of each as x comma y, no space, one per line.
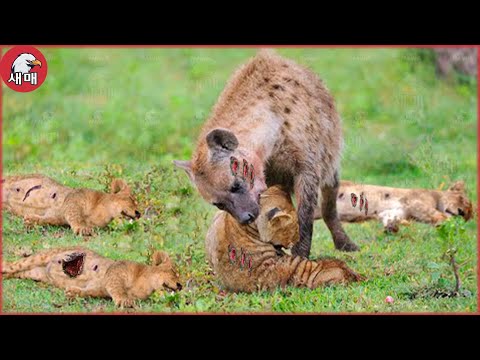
24,63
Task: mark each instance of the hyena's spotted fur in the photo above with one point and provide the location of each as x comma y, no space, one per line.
281,118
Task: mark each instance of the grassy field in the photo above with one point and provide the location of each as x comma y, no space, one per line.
130,112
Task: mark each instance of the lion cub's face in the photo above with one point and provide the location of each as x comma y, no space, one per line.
454,201
165,274
124,203
277,222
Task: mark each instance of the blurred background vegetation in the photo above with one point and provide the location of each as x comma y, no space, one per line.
129,112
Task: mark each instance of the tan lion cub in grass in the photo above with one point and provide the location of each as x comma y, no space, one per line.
84,273
41,200
394,206
249,257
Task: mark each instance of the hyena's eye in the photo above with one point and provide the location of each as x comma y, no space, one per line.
236,187
234,165
220,206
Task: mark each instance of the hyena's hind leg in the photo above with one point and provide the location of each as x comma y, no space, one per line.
330,216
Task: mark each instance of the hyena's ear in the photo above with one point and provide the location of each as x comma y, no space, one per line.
185,165
457,186
160,257
119,186
221,142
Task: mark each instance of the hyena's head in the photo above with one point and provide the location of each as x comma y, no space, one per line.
122,203
454,201
227,175
164,274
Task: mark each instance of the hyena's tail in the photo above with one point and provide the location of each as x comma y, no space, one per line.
31,262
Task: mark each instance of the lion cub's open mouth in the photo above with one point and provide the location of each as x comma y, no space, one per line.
73,264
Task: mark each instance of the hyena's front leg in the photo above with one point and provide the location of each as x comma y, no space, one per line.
330,216
306,194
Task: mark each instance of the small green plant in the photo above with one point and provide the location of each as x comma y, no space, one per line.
452,232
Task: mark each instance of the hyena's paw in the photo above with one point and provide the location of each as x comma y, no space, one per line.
343,243
126,302
348,247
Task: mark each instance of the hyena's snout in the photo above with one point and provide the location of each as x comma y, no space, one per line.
247,216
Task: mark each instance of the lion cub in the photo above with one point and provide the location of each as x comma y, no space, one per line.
397,205
84,273
42,200
249,257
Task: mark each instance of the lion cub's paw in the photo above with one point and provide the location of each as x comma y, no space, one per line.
29,224
125,302
72,292
83,231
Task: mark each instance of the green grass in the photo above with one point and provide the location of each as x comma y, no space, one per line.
130,112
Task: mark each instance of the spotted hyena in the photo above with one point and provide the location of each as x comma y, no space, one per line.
274,123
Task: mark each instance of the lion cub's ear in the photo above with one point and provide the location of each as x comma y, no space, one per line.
119,185
160,257
276,213
457,186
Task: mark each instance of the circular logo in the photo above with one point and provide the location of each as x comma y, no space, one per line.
23,68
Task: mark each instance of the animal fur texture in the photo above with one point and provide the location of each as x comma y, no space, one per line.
279,118
250,258
84,273
41,200
394,206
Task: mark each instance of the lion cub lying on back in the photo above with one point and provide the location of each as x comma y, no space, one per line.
396,205
39,199
247,257
83,273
